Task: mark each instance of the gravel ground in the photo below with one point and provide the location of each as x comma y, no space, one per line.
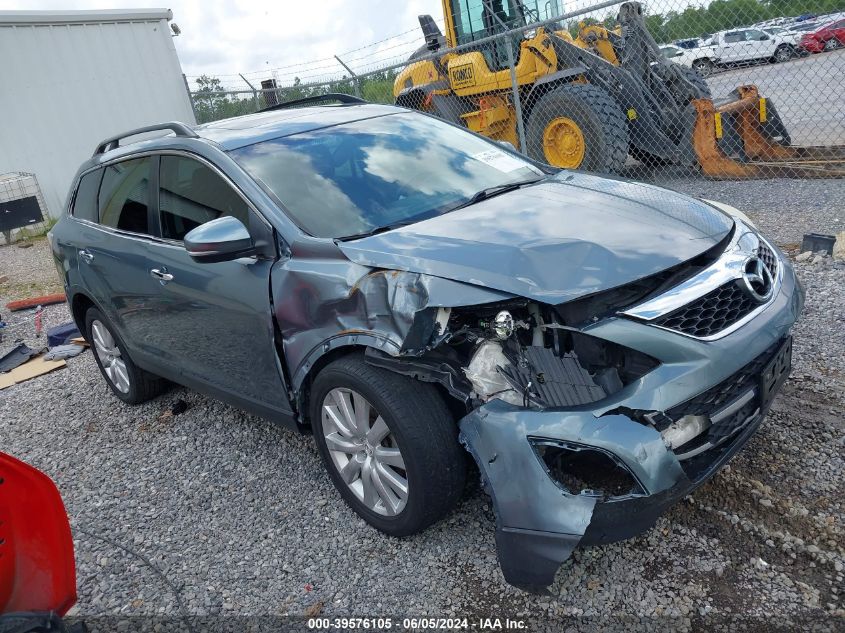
236,516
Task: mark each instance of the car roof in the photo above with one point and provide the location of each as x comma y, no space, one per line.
229,134
253,128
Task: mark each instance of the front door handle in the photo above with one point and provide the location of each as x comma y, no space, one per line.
86,256
161,274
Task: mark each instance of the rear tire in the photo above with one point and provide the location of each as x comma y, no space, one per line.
127,381
832,44
420,434
783,53
594,131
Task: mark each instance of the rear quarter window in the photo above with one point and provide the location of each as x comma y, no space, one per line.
85,200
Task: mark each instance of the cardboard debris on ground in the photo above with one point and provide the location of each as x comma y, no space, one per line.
34,368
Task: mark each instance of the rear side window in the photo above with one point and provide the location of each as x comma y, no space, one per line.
192,194
85,201
124,195
737,36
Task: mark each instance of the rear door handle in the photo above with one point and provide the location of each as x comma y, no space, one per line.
161,274
86,256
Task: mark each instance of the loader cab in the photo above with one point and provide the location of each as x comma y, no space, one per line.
468,21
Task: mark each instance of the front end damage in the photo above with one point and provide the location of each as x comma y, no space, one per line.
589,419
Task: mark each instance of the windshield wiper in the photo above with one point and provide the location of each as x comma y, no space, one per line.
375,231
490,192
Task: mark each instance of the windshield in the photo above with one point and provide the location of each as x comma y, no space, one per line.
354,178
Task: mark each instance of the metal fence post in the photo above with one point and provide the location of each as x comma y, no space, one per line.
354,77
517,102
254,92
190,96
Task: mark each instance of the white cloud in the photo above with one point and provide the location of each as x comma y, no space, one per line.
224,38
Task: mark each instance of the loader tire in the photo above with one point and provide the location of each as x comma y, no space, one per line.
578,126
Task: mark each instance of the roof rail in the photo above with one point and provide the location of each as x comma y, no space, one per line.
113,142
331,96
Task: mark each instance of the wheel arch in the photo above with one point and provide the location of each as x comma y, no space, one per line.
328,351
80,303
548,83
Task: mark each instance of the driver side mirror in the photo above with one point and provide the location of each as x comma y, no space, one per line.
763,37
220,240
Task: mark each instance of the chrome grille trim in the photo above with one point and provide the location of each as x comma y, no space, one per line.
728,268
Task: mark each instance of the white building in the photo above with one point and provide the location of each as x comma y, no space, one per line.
73,78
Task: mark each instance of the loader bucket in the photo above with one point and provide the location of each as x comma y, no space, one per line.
744,137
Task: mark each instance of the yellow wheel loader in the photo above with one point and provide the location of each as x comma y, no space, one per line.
590,101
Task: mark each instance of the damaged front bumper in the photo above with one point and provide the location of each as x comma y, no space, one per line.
542,517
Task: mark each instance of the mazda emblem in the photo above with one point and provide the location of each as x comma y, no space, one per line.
758,279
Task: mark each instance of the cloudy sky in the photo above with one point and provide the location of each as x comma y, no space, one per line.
253,36
288,38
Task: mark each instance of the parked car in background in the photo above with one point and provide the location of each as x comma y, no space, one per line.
796,31
828,37
703,58
687,44
404,289
746,46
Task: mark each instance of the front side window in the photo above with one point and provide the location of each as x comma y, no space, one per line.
736,36
475,19
396,169
124,195
191,194
85,200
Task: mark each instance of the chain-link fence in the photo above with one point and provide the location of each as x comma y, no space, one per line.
732,89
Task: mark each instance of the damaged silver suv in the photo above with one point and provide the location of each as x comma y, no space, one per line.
405,290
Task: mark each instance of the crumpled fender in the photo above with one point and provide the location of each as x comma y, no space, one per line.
325,302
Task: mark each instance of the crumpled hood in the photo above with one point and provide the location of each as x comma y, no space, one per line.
569,236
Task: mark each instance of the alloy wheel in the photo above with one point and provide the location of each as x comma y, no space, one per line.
109,356
364,451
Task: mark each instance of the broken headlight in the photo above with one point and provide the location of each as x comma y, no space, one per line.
521,354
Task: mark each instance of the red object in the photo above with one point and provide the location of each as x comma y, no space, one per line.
37,570
38,314
827,37
46,300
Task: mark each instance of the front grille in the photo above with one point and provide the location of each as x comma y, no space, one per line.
720,308
769,258
717,310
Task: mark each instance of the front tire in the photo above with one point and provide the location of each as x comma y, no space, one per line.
127,381
832,44
703,67
578,126
389,444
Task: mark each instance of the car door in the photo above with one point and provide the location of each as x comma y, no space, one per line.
759,45
112,243
733,47
214,320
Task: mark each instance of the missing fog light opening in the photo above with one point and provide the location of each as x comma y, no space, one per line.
586,471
